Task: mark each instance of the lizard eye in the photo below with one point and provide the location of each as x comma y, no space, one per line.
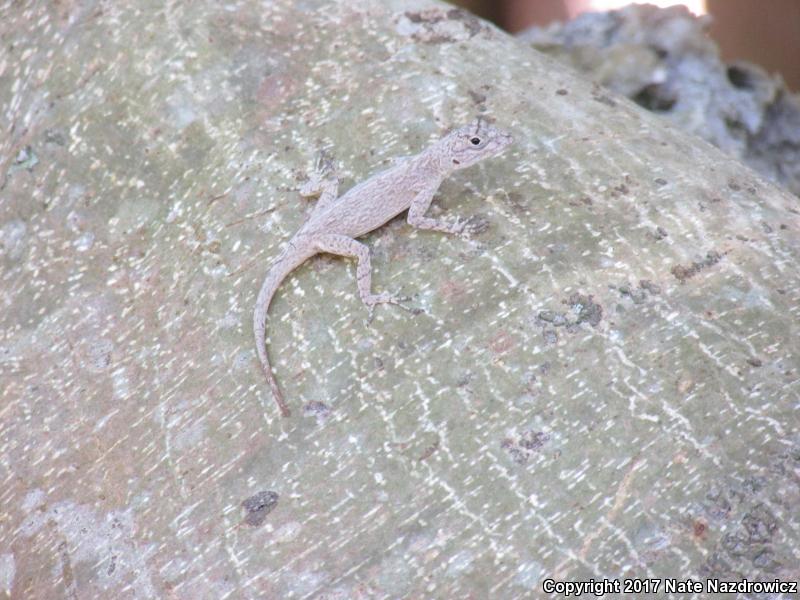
475,141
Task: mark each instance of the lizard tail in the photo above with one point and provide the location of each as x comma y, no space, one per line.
277,273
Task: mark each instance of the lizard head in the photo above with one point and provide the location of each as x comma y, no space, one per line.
467,145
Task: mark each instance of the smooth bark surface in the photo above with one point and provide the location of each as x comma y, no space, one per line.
603,383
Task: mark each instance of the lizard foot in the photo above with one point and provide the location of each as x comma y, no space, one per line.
474,225
384,298
324,164
324,172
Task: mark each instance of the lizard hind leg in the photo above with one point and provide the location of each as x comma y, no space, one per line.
342,245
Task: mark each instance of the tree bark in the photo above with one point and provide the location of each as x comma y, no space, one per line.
603,383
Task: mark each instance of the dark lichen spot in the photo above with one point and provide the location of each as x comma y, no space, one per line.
659,234
660,182
557,319
54,136
470,21
760,524
430,29
683,273
562,92
649,286
549,336
259,506
604,99
433,447
637,295
26,159
587,310
526,445
533,440
716,567
421,17
765,560
516,202
734,544
315,408
699,529
719,507
477,97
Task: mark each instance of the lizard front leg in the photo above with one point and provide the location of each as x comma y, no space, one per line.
323,182
347,246
420,205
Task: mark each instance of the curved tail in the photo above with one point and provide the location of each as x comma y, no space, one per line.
285,264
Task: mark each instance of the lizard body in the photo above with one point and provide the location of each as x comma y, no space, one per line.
335,222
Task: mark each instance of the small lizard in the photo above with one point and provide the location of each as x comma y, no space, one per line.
335,222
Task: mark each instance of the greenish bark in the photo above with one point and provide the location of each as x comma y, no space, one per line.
603,383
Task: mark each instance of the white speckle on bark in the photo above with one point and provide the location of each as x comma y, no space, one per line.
8,570
13,239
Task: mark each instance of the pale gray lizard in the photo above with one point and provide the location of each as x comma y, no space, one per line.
335,222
